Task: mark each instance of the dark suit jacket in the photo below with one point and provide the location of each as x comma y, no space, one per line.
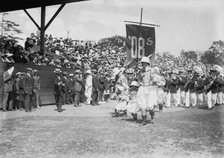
28,84
174,85
57,85
78,83
8,82
95,83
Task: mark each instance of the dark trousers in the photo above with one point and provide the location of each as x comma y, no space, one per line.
95,97
28,102
77,98
70,97
59,101
8,100
101,95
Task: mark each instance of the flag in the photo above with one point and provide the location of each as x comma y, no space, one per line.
140,42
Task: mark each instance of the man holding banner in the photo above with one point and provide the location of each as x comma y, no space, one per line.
141,45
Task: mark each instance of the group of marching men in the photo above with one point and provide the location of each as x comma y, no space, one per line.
152,88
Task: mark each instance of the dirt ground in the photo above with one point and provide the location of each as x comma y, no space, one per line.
88,131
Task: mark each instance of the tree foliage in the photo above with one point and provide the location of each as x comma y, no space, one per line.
9,29
215,54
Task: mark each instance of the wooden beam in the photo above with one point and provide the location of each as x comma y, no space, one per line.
31,18
54,16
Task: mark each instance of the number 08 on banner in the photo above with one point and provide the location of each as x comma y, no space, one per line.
138,46
141,42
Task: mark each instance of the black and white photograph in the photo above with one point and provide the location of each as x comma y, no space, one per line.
112,79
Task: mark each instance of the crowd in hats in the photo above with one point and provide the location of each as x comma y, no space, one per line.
21,89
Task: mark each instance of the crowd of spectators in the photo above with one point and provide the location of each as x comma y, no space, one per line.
105,54
67,53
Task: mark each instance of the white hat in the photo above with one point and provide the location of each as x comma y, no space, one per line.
115,71
9,54
145,60
218,68
18,73
198,69
88,72
134,83
57,71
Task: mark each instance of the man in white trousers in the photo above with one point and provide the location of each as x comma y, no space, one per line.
182,82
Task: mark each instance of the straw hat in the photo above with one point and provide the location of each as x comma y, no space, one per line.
218,68
116,71
77,71
18,73
57,71
134,83
29,69
88,72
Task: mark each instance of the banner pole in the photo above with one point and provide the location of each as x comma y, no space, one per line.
139,32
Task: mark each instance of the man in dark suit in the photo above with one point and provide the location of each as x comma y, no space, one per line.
36,78
71,89
8,88
173,87
58,85
95,89
65,80
78,83
28,84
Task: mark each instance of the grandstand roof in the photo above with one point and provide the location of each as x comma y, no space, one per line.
27,4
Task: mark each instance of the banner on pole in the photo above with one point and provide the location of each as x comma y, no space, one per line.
140,42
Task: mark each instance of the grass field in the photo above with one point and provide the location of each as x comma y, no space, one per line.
186,133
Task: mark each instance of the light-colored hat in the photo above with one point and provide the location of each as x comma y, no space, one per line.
145,60
9,54
218,68
134,83
115,71
71,74
88,72
35,70
64,73
18,73
29,69
77,71
175,71
57,71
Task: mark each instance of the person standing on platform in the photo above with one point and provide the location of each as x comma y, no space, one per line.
8,88
88,87
29,90
78,83
58,83
36,78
